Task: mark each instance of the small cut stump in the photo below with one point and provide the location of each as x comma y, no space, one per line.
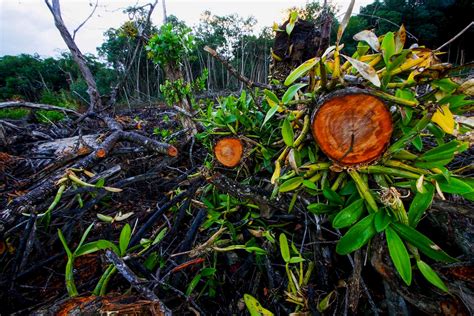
228,151
352,127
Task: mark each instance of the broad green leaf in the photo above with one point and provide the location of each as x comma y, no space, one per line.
381,221
349,215
370,38
124,240
95,246
291,184
423,243
431,275
254,307
291,92
270,113
445,84
445,119
456,101
332,196
287,132
321,208
444,151
301,70
420,204
271,98
365,70
453,186
309,185
357,236
284,249
388,47
344,22
399,254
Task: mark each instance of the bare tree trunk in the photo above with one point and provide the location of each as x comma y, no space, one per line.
77,55
165,17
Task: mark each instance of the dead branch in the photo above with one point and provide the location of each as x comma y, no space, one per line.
85,21
131,277
93,91
36,106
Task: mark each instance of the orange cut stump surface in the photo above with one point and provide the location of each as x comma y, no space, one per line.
352,129
229,151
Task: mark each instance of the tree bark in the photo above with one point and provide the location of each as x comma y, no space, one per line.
94,96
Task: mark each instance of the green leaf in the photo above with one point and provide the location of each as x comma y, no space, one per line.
321,208
357,236
445,84
284,249
105,218
431,275
296,260
291,184
95,246
301,70
327,301
291,92
287,133
192,285
160,236
100,183
399,254
84,236
63,241
254,307
124,240
420,204
270,113
271,98
332,196
423,243
453,186
381,221
309,185
349,215
388,47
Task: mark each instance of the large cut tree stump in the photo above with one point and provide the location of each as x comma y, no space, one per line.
352,127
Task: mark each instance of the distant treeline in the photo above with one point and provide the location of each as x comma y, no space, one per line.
123,56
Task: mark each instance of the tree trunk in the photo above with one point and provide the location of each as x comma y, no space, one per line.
77,55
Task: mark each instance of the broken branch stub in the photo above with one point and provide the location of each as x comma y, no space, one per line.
228,151
352,127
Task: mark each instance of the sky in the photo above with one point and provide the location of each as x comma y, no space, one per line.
27,26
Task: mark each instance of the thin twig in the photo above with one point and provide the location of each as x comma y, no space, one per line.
455,36
85,21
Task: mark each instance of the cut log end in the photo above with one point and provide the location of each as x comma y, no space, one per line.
228,151
172,151
352,128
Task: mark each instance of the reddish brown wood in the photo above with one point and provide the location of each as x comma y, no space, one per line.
228,151
352,127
